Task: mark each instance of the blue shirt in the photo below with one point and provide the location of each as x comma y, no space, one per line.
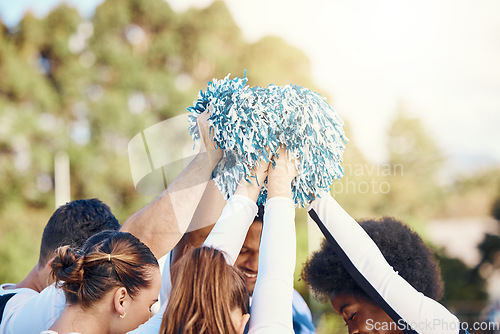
302,318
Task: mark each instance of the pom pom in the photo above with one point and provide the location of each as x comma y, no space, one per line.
246,122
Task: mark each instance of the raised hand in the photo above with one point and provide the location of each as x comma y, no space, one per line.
252,189
207,143
280,177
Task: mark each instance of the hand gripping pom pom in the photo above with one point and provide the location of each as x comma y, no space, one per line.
248,121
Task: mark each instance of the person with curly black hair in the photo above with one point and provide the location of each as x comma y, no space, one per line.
378,274
402,248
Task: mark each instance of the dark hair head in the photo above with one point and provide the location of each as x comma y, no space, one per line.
108,259
73,223
403,249
205,289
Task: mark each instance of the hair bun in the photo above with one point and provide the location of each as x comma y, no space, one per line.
68,266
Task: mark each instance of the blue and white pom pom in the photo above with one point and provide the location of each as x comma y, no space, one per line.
247,122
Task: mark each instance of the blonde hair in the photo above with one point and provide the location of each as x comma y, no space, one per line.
205,289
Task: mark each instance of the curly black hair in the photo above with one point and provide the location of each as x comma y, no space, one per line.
403,249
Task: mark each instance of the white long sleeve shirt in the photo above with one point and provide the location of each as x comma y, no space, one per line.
272,297
31,312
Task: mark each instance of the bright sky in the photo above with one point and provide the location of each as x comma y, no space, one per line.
441,58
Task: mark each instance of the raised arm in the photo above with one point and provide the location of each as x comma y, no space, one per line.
366,264
161,224
232,227
271,310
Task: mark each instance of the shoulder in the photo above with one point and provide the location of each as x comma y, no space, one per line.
8,288
11,302
14,299
50,297
31,312
299,304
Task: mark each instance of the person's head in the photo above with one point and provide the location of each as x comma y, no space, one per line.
403,249
248,259
72,224
208,295
113,272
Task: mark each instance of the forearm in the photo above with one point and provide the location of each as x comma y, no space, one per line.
209,208
239,213
231,229
161,224
272,299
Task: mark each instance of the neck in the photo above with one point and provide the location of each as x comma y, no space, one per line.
76,319
36,280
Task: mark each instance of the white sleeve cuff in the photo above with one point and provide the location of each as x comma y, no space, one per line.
231,229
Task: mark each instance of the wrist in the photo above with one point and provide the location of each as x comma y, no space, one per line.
279,190
279,194
250,190
279,184
211,156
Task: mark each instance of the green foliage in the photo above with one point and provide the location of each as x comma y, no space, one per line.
268,57
465,289
20,239
473,194
405,186
363,188
410,145
71,84
495,210
489,248
415,160
331,323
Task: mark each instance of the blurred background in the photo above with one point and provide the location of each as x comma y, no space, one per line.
417,83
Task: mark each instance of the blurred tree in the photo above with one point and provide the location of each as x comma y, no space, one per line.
410,145
473,194
495,210
362,189
415,160
87,86
489,248
271,57
465,292
212,43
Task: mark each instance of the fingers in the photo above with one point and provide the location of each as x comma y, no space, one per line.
207,145
258,175
284,163
206,133
281,175
260,171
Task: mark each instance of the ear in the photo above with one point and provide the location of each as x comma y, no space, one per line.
49,263
46,272
244,320
119,299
